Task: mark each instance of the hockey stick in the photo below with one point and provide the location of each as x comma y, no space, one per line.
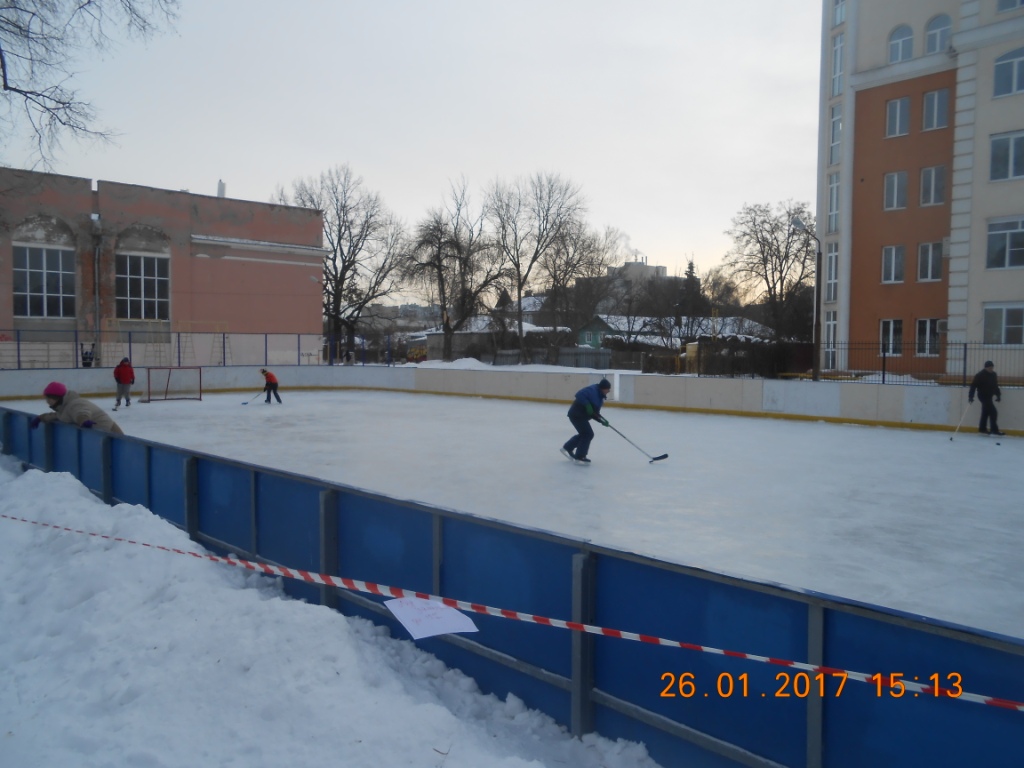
254,396
645,453
961,420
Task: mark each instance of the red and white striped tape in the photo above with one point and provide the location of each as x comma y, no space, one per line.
382,590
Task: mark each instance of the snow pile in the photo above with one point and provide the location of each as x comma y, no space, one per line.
117,654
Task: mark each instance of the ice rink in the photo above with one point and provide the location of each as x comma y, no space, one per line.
906,519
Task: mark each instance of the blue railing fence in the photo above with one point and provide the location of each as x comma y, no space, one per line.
616,687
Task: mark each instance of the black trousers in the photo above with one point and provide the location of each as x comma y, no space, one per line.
988,415
579,444
272,390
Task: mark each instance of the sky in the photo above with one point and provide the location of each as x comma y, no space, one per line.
671,115
114,653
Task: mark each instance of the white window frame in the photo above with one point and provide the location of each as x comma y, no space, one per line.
829,361
890,333
43,281
835,133
1008,5
1005,234
1014,152
832,218
837,64
938,33
1009,67
838,12
1004,323
895,197
901,44
894,263
831,272
933,186
897,117
936,110
929,262
143,295
926,343
588,337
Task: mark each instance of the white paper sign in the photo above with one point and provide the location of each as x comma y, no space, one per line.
426,618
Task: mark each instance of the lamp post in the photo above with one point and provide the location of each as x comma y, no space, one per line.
799,225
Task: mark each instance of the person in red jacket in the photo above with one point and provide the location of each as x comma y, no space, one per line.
124,375
271,385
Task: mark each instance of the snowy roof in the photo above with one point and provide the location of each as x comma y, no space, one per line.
696,326
484,324
531,303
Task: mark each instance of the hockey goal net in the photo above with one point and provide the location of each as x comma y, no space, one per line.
173,384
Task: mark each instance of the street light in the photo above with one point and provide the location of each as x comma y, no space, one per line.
799,225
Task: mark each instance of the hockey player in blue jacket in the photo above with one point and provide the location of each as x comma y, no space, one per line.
585,407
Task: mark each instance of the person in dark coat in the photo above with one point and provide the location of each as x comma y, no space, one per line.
124,375
586,406
986,384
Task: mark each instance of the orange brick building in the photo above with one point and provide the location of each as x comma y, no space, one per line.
921,185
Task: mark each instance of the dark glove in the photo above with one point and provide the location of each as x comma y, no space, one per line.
36,421
604,421
970,399
133,381
88,424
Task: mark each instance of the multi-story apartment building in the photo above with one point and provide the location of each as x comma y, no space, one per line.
921,182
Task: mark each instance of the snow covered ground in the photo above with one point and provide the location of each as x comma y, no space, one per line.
118,655
105,639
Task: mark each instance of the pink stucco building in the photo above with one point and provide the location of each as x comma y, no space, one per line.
123,258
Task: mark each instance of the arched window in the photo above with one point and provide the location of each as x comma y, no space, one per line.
143,274
937,34
901,44
44,268
1009,74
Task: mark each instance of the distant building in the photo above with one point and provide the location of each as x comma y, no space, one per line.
637,272
122,258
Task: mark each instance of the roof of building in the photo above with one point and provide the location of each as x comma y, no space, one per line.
697,326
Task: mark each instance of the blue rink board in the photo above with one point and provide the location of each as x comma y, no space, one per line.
265,514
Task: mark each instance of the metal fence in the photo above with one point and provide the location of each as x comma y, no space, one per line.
20,349
945,364
571,357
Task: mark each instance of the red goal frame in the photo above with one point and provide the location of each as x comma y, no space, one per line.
162,384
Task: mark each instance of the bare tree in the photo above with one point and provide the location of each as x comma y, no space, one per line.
771,258
450,256
721,292
365,244
527,218
572,274
39,41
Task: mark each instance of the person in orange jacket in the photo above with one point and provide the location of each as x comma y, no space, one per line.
124,375
270,387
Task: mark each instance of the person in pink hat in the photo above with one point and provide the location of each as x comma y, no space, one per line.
72,408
